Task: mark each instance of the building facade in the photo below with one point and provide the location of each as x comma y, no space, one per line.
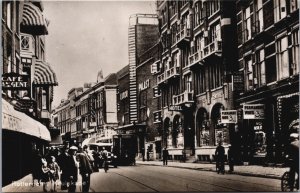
27,86
268,56
197,62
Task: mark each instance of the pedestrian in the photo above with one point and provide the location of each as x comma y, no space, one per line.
62,162
104,158
45,177
219,155
230,159
54,170
293,155
72,169
85,170
148,154
36,166
165,156
143,154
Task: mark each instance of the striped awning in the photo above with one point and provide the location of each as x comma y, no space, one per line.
33,20
43,74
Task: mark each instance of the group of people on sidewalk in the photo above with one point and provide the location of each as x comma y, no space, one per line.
69,161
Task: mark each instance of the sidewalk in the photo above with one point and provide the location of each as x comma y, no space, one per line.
25,185
250,170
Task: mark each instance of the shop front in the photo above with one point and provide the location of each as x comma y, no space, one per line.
21,136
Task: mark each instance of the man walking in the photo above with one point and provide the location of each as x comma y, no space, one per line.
72,169
85,169
165,156
219,154
230,159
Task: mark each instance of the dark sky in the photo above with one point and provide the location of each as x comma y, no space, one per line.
85,36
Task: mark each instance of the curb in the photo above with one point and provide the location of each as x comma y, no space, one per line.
211,170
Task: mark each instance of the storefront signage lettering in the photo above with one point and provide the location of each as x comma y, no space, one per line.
11,122
144,85
254,111
175,108
216,96
14,81
124,95
229,116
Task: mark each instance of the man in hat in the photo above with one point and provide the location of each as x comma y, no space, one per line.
72,168
85,169
293,154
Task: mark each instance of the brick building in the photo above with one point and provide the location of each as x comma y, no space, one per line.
268,55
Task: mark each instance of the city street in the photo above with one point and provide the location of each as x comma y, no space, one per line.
143,178
159,179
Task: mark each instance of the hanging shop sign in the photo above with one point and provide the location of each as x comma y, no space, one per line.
14,81
254,111
229,116
238,82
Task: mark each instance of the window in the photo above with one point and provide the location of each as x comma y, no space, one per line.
279,9
249,73
44,100
247,24
200,84
9,64
293,5
260,74
282,58
213,6
9,15
295,52
260,21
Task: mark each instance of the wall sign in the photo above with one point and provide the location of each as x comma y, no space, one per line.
14,81
254,111
144,85
229,116
175,108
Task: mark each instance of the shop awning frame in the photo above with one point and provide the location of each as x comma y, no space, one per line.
20,122
44,74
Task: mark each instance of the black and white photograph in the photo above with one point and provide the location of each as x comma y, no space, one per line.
150,96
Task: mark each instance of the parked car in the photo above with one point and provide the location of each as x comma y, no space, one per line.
98,149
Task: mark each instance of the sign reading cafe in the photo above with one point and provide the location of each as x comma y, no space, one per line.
254,111
14,81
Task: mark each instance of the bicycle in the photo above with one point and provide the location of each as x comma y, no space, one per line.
285,182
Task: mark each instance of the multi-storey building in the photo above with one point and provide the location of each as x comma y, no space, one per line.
268,56
27,84
148,102
197,61
90,112
142,35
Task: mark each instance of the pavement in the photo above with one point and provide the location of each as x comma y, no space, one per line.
245,170
25,184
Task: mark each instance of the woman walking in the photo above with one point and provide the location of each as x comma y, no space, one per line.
45,174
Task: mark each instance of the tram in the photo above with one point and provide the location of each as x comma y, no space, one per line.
125,148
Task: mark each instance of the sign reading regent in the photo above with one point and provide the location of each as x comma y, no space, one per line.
229,116
14,81
254,111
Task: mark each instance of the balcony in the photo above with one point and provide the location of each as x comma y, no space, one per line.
183,98
27,45
195,58
172,72
161,78
183,36
213,48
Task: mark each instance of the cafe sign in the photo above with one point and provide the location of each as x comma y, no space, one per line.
254,111
228,116
14,81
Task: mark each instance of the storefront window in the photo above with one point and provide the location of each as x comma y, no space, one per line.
260,147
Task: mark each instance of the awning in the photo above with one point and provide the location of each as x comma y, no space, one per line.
19,122
43,74
33,21
88,141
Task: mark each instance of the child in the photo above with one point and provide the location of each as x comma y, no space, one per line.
45,174
54,170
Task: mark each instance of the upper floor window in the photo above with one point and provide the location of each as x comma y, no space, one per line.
172,8
279,9
260,19
282,58
247,24
260,68
9,15
295,51
198,13
213,6
249,73
293,5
